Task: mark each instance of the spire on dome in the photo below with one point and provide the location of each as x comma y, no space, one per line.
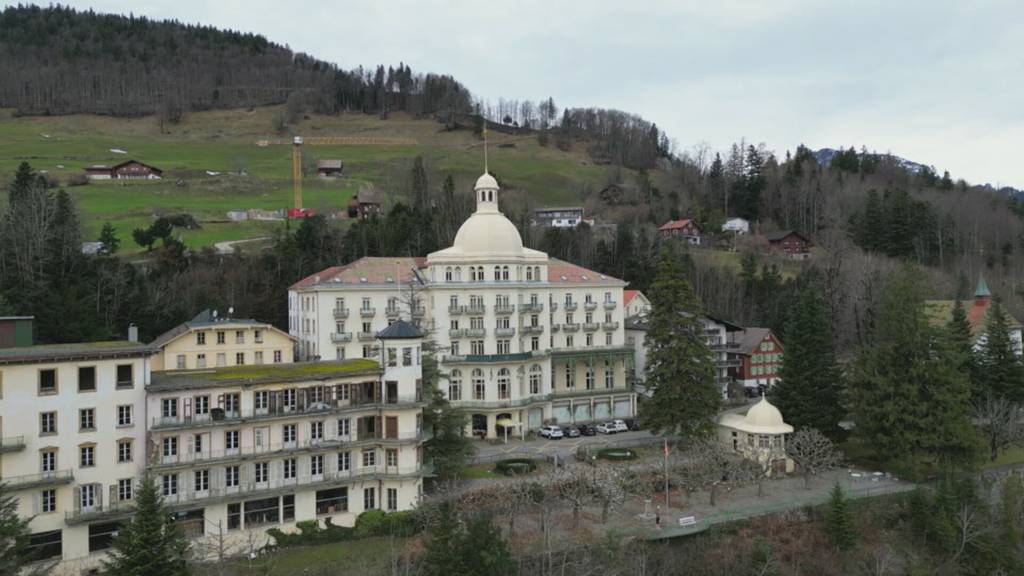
982,292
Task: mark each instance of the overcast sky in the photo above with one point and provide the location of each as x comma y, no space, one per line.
939,82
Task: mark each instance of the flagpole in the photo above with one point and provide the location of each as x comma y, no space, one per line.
666,477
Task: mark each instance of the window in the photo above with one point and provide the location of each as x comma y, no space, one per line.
258,357
288,507
504,346
344,461
45,545
180,362
609,375
529,274
366,303
201,480
568,318
289,433
391,457
48,381
608,339
197,443
169,482
48,460
589,381
257,335
87,420
221,360
86,378
200,338
590,340
478,384
344,427
535,379
200,360
261,401
124,451
406,356
277,356
87,496
569,341
392,499
369,458
570,376
392,357
170,445
504,383
476,347
369,498
125,376
231,440
288,397
331,501
220,337
239,336
290,468
86,456
455,385
239,358
169,407
455,348
535,343
47,423
316,465
316,430
261,472
124,415
232,403
124,489
48,501
231,476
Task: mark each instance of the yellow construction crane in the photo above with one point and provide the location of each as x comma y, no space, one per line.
298,142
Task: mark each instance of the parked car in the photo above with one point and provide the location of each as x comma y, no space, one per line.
607,428
620,425
552,432
586,430
632,423
570,432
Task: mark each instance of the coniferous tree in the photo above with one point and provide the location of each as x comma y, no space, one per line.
443,549
13,534
809,390
109,240
680,368
448,448
150,544
839,521
961,341
484,549
1001,371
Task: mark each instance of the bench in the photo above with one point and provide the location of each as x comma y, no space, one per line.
687,521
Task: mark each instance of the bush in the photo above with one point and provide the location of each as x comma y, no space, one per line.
515,466
381,523
310,533
78,179
616,454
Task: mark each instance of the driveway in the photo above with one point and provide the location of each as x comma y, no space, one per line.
563,448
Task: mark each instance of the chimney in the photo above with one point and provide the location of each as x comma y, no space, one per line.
133,333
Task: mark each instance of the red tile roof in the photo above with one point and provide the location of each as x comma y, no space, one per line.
561,272
368,270
675,224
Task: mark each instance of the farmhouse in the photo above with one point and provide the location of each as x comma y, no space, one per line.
737,226
127,170
558,217
790,243
329,168
685,229
759,353
365,203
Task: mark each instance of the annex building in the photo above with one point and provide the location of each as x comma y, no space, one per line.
523,339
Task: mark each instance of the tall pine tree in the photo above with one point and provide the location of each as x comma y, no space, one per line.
961,341
680,368
1002,373
13,534
839,521
809,392
150,544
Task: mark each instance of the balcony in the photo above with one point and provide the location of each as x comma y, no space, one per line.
556,327
505,332
509,403
610,304
341,337
419,311
29,481
367,336
457,332
531,307
475,309
533,329
554,306
476,332
504,308
12,444
590,306
571,327
610,325
341,312
486,358
570,306
283,411
455,310
367,312
590,326
391,311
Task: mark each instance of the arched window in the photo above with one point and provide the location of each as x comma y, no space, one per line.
448,274
504,384
535,378
536,273
497,272
490,196
504,272
455,385
480,273
529,274
478,384
458,274
609,375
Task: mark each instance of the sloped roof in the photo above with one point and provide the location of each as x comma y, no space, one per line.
751,338
367,270
561,272
675,224
75,351
776,236
335,164
400,330
206,319
628,295
940,311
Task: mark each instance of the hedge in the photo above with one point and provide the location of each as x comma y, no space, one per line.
369,523
617,454
513,466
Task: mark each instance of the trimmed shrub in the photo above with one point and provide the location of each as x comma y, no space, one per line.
515,466
616,454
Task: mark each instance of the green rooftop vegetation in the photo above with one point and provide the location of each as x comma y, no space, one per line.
297,370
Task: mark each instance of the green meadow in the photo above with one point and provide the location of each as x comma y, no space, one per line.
253,176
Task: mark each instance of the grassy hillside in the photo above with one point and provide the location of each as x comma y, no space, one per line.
225,141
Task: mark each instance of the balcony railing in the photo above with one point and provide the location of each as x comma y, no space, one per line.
475,309
610,325
341,337
455,310
280,411
284,448
530,307
570,306
504,308
509,403
419,311
554,306
504,331
571,327
479,358
610,304
590,306
457,332
12,444
391,311
476,332
367,312
367,336
27,481
591,326
556,327
538,329
341,312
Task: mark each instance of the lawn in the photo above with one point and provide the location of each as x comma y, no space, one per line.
363,556
1012,455
480,472
254,176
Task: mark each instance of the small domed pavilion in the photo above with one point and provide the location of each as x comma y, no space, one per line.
758,435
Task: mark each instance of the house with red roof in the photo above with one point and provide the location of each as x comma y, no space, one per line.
940,311
758,355
685,229
636,303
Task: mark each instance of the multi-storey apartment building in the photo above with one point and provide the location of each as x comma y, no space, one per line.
207,341
234,449
525,339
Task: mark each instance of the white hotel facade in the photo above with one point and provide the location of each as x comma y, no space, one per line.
523,339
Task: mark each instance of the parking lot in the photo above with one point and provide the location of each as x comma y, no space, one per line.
563,447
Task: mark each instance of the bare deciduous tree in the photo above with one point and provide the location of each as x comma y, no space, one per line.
813,452
999,420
